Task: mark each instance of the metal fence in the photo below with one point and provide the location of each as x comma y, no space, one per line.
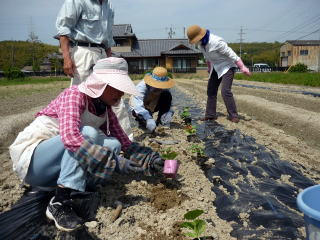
268,69
184,70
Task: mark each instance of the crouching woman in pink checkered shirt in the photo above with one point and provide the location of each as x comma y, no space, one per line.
77,137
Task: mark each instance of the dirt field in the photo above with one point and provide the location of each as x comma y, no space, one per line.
283,121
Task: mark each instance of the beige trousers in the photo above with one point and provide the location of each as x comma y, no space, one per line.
84,59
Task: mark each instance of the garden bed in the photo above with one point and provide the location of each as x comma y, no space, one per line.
154,208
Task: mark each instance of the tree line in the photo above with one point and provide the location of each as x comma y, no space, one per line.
258,52
19,54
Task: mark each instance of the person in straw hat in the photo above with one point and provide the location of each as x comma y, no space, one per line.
77,137
221,61
154,96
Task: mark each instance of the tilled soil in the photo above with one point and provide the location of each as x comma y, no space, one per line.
153,208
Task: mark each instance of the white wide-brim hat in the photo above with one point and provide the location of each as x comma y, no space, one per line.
110,71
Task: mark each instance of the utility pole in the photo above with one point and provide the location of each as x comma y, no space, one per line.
241,39
319,53
184,32
171,33
12,54
34,39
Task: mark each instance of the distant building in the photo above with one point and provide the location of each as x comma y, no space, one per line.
301,51
177,55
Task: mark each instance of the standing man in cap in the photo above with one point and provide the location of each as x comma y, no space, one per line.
221,61
85,35
154,96
77,138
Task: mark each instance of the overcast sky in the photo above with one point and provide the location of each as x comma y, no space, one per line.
261,20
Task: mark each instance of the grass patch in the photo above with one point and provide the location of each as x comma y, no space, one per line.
135,77
31,80
30,88
304,79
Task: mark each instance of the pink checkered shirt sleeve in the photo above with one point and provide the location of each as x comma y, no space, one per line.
68,107
116,130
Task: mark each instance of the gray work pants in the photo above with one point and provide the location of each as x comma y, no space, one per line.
212,91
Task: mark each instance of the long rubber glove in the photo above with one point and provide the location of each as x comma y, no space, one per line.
243,68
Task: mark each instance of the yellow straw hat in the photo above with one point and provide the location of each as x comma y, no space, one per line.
159,78
195,33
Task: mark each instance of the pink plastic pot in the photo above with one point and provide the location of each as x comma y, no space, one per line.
170,168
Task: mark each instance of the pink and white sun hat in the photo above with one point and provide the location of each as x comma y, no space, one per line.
110,71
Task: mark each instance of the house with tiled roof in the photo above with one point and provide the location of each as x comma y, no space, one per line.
301,51
142,55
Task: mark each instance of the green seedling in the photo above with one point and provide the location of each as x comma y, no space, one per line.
197,226
185,113
190,129
168,154
199,150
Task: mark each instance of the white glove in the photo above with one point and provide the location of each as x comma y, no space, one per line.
166,117
151,125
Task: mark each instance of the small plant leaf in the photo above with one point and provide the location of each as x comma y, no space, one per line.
185,113
190,234
193,214
199,227
171,155
188,225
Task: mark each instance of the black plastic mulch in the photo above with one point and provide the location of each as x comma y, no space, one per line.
269,203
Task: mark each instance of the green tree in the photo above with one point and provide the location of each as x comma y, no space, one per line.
20,51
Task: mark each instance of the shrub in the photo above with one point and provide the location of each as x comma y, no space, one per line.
299,67
13,73
170,75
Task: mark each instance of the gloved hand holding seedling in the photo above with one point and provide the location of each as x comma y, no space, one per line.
197,226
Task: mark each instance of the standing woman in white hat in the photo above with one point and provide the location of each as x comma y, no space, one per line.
154,96
221,61
78,137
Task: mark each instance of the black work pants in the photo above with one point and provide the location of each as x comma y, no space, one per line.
212,91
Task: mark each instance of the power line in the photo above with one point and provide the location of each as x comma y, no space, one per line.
284,13
300,26
309,34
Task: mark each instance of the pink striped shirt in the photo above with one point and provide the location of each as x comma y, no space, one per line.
68,107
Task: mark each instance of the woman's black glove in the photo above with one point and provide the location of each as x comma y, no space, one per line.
145,157
127,166
157,163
